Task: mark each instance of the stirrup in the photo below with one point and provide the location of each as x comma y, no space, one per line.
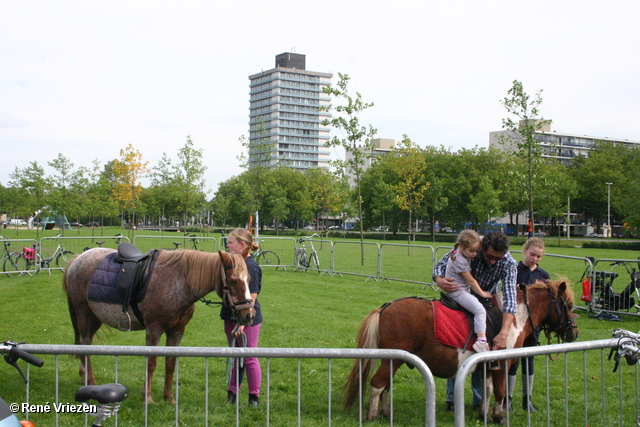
127,318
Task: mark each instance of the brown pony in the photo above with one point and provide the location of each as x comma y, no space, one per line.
408,324
178,280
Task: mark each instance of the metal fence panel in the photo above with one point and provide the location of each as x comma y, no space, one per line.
176,241
407,263
357,258
272,355
578,388
284,247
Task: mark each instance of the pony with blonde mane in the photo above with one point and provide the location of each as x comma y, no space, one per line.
177,281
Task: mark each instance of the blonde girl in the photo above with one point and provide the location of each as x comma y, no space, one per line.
459,269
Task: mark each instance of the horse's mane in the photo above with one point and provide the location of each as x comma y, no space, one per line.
554,284
202,269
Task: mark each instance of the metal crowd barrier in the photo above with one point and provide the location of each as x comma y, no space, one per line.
584,393
225,352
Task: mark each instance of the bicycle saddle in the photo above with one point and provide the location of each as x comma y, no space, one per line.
106,393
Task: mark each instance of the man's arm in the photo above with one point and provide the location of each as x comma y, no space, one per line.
500,340
444,283
475,287
508,278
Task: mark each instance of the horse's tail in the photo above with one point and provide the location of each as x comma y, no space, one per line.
368,337
72,310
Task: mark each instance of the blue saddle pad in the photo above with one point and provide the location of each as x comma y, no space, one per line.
103,283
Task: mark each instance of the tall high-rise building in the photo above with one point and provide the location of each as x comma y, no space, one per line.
285,117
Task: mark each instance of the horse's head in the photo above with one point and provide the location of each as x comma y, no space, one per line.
555,307
235,287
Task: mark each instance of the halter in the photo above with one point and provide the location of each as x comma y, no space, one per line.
227,298
559,305
226,293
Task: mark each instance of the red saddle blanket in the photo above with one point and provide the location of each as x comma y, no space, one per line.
451,327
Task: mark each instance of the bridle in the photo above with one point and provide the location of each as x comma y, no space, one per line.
559,307
227,299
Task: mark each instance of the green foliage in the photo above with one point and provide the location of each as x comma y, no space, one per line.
607,163
606,244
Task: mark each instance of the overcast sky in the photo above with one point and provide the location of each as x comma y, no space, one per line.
86,78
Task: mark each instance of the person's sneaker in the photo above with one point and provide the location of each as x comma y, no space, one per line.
480,346
253,400
231,397
450,407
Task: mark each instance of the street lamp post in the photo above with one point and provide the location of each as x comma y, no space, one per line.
609,207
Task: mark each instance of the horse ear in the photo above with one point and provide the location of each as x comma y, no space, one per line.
562,287
224,256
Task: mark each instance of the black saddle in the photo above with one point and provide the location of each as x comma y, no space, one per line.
133,276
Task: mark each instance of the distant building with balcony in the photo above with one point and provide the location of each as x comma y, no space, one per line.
285,117
561,146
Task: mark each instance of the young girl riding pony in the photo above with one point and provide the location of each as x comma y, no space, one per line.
459,269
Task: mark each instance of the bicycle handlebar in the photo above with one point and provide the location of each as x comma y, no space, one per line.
13,353
627,347
14,350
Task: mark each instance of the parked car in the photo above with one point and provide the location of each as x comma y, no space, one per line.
76,224
17,221
92,224
334,227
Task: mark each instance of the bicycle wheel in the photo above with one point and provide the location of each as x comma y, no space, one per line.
15,264
63,259
268,259
303,261
316,261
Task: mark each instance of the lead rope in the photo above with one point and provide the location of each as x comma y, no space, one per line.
230,360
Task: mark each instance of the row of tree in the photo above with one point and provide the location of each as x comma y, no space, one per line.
435,184
111,193
412,183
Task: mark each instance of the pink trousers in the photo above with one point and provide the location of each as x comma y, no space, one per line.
251,364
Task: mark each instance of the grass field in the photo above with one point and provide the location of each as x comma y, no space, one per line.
301,309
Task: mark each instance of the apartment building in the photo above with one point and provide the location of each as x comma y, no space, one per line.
557,145
285,115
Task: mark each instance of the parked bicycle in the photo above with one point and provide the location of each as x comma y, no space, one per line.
108,396
6,253
30,261
264,258
267,259
303,261
193,239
